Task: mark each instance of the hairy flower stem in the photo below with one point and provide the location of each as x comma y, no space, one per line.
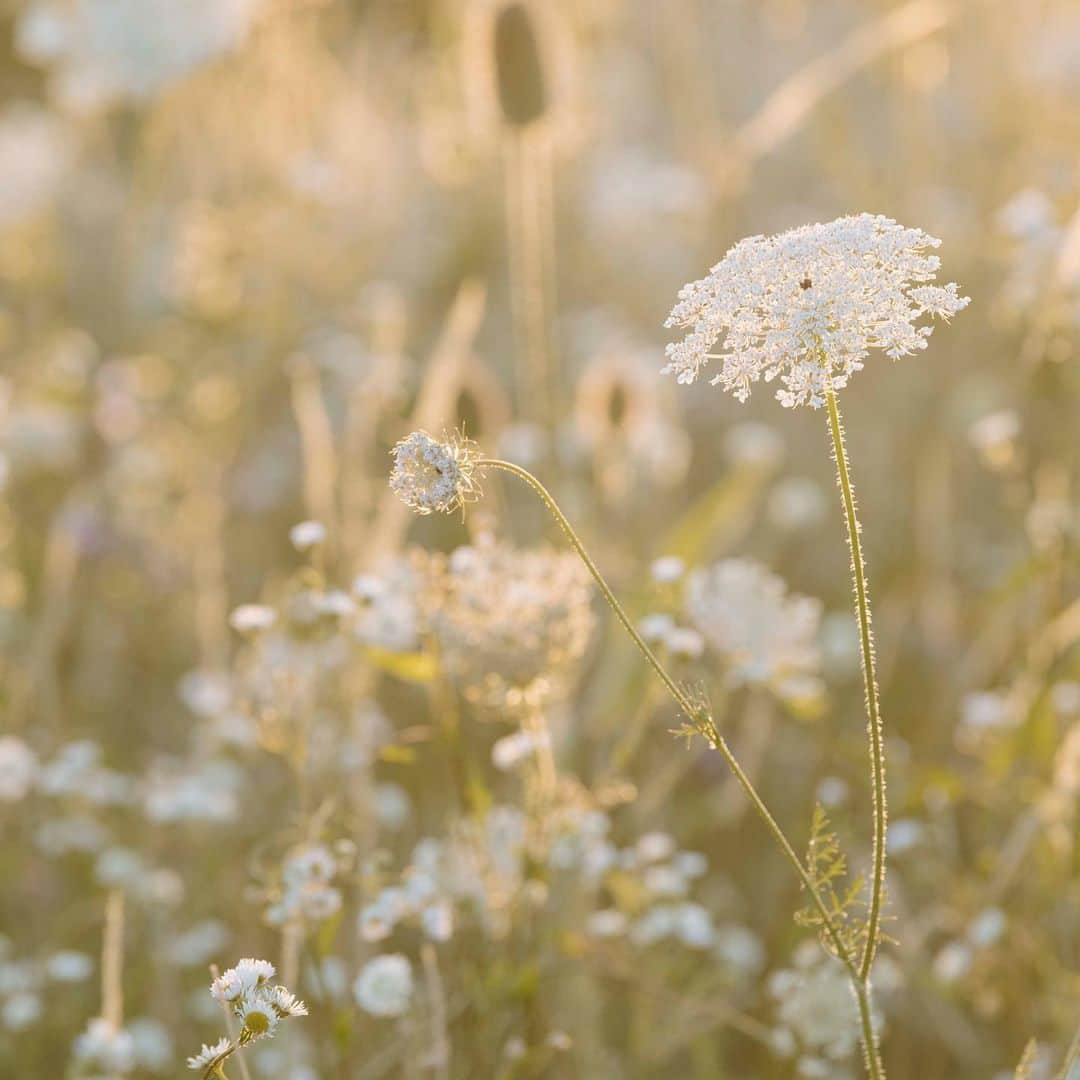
873,710
860,984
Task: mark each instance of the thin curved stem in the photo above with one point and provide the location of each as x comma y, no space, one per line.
692,711
873,709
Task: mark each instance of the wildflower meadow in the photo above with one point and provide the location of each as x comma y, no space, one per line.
538,539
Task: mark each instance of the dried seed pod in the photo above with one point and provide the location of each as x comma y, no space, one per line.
519,68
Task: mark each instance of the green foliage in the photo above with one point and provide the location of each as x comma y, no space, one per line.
844,899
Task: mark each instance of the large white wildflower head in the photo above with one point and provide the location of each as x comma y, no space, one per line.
808,305
432,475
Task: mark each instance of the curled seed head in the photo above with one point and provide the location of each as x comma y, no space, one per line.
431,475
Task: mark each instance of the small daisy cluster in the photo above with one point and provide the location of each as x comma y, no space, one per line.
808,305
510,623
766,635
430,475
306,895
260,1007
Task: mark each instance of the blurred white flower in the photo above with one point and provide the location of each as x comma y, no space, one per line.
509,622
667,569
251,618
384,986
808,305
35,155
994,437
987,927
815,1003
18,767
764,634
307,534
987,710
103,50
69,966
104,1049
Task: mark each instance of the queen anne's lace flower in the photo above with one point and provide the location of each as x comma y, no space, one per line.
808,305
430,475
510,622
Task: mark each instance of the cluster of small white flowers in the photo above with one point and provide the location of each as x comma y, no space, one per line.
808,305
24,983
384,986
260,1007
104,1049
430,475
509,621
199,791
307,895
816,1010
766,635
76,772
387,616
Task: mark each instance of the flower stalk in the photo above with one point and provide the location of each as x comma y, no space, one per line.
873,708
699,715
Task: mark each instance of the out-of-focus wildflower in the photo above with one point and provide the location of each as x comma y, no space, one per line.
815,1007
994,437
306,893
34,155
510,622
251,618
765,635
384,986
808,305
430,475
307,534
18,767
104,1049
104,50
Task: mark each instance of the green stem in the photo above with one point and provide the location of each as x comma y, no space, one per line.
692,712
873,711
871,1055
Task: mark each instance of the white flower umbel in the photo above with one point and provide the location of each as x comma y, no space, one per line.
246,993
809,305
430,475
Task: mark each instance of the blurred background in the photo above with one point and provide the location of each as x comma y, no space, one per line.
245,246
